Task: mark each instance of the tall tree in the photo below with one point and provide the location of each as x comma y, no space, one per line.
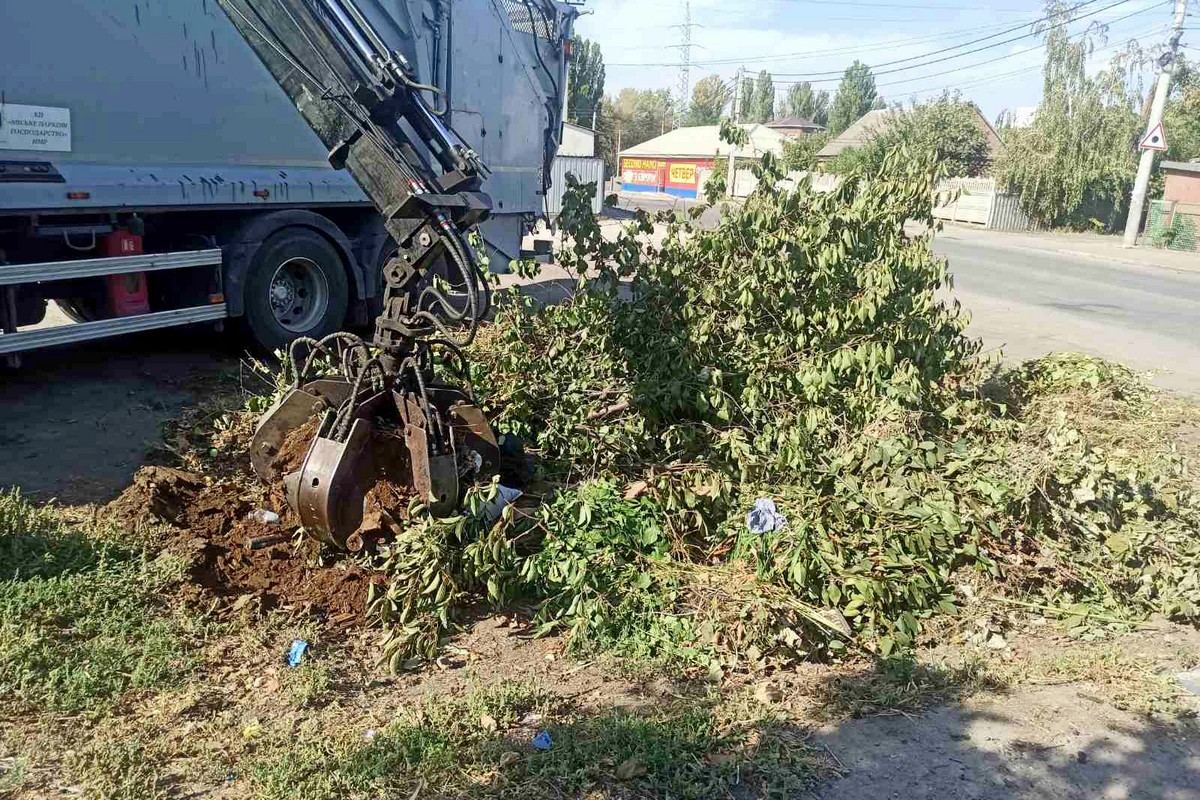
642,115
748,100
587,83
709,97
1183,121
1075,164
805,102
1183,113
763,107
948,127
856,95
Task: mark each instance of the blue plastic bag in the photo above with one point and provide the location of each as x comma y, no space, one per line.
765,517
296,654
542,741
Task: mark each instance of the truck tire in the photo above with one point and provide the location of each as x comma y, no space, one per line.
78,309
295,286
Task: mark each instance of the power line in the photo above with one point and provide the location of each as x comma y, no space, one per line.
1007,30
925,6
960,55
1067,21
972,83
884,45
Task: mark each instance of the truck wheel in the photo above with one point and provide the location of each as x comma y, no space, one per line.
296,286
78,309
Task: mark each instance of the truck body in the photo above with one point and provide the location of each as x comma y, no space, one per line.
153,173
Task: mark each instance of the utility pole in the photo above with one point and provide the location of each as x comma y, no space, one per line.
1168,61
685,63
617,153
731,178
566,98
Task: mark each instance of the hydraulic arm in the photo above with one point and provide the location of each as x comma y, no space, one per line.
399,407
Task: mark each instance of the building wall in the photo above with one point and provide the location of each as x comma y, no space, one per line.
1182,187
577,142
681,177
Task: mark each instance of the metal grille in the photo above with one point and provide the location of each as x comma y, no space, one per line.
531,17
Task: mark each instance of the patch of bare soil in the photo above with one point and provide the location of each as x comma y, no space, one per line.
236,556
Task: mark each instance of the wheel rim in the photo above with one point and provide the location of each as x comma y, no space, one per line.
299,294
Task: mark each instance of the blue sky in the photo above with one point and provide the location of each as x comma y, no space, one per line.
816,39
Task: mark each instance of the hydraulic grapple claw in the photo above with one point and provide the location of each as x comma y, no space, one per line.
328,491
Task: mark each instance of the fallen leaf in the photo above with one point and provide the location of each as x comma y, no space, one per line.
629,769
488,723
508,758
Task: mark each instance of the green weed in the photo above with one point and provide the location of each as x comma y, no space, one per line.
307,685
119,768
13,773
81,618
445,749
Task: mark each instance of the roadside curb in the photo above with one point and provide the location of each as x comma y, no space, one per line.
1112,259
1062,251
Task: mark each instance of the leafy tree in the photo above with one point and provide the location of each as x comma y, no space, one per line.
748,100
709,98
763,108
856,95
803,101
801,154
1075,164
1182,117
1182,122
587,82
947,127
642,115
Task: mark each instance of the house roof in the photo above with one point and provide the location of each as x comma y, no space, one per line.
1182,166
876,122
867,127
704,141
796,122
580,128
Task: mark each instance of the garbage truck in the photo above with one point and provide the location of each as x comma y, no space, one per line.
154,173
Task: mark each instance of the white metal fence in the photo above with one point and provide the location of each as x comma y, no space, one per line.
977,201
586,169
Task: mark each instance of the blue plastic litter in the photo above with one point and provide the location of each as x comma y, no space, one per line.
542,741
765,517
296,654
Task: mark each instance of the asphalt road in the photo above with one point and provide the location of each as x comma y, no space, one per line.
1028,302
1032,302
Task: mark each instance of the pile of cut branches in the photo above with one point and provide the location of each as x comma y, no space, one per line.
804,352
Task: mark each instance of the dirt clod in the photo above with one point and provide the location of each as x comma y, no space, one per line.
158,493
235,557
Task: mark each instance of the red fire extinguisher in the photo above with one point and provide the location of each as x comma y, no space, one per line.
127,294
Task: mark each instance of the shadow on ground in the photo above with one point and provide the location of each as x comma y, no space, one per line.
1039,742
684,742
77,422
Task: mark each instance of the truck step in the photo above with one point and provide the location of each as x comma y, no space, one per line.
85,331
14,274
